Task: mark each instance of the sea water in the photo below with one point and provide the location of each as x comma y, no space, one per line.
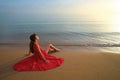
63,34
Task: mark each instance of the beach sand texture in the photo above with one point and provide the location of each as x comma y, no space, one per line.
78,65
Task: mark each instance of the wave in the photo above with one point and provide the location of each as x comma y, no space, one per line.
91,45
79,45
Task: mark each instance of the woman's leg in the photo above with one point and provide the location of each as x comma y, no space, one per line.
51,48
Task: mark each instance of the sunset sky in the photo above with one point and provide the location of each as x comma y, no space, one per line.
37,10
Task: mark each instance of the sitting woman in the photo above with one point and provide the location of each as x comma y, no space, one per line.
40,60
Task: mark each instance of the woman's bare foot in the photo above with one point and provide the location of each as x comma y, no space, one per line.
57,50
54,50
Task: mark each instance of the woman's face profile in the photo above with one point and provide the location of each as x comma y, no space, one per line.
36,37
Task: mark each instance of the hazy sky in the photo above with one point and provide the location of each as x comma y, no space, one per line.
40,10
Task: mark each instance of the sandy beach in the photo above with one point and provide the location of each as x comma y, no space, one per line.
78,65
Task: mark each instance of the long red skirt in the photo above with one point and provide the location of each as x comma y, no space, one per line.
36,63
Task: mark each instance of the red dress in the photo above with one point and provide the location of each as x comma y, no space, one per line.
36,63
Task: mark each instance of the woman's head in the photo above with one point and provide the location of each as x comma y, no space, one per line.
34,37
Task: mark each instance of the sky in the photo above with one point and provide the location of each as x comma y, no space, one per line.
27,11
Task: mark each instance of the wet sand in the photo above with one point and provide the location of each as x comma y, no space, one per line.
78,65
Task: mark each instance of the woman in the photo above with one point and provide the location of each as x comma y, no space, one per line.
40,60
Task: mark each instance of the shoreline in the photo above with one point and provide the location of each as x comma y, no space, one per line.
70,47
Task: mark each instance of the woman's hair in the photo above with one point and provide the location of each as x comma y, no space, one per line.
32,40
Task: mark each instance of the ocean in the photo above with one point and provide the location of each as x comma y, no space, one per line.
78,36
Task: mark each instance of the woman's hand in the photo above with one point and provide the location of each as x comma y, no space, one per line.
27,54
46,61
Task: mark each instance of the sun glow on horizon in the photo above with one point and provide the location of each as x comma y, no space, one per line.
115,17
105,12
115,23
100,9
